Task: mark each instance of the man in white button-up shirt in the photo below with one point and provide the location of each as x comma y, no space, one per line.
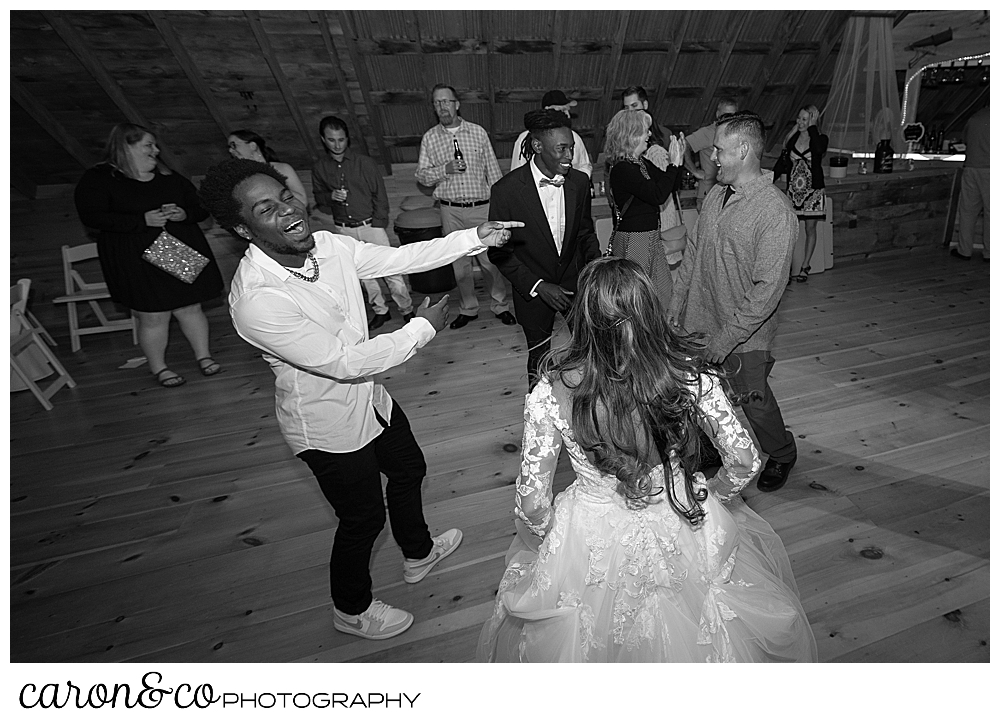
296,296
545,256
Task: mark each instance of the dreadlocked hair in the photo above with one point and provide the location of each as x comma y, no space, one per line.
630,376
537,122
221,180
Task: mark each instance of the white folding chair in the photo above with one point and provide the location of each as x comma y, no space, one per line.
19,298
79,291
23,337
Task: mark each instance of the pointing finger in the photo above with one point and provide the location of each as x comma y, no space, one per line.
508,224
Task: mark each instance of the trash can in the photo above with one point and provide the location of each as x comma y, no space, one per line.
424,224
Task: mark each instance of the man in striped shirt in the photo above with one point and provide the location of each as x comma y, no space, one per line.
456,158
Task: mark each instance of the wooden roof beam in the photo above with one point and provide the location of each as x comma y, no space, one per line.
361,72
187,64
331,52
266,49
789,26
725,53
487,16
49,123
832,30
85,54
556,33
668,68
611,76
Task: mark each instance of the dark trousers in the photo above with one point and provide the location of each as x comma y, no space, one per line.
749,382
537,320
352,483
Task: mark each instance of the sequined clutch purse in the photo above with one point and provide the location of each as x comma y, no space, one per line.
175,257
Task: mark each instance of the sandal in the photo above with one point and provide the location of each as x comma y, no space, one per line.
209,366
802,276
174,380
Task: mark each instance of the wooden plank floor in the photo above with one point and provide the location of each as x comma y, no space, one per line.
150,524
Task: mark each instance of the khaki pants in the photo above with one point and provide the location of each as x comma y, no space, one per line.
454,218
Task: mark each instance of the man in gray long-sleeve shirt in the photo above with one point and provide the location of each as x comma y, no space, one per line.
732,278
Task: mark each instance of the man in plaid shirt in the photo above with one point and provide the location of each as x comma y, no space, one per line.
463,189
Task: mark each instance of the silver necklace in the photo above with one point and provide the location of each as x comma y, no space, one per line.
311,279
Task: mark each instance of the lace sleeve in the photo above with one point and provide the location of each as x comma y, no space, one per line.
739,453
539,456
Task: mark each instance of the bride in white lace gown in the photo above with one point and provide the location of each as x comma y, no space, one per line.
634,563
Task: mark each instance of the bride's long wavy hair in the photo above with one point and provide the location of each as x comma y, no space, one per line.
629,374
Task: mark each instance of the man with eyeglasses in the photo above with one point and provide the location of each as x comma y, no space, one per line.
700,142
456,158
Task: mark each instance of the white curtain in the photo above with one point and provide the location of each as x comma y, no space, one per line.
863,106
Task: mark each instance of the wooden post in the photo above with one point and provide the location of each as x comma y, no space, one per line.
362,72
668,68
49,123
790,24
834,26
324,30
79,47
725,53
610,78
956,191
194,76
253,18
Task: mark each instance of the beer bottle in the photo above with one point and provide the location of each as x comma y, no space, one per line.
459,158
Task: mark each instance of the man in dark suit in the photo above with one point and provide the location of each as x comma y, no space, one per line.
543,259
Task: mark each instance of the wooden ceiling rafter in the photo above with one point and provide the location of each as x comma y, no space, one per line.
790,24
361,71
556,33
49,123
488,33
320,19
832,30
610,78
281,80
85,54
725,53
668,68
190,69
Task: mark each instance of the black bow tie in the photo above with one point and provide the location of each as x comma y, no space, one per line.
558,181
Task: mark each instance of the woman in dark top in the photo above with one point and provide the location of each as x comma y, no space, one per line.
128,199
641,178
802,160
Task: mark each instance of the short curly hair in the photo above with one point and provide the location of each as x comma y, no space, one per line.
216,192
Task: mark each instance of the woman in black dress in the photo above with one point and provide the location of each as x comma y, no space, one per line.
802,160
129,198
640,179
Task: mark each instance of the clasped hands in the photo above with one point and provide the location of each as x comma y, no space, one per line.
158,217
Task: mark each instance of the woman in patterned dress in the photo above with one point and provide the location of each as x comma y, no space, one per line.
802,160
641,178
641,558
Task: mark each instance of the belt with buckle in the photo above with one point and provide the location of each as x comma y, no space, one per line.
354,224
462,204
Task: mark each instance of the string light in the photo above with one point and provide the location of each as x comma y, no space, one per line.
906,89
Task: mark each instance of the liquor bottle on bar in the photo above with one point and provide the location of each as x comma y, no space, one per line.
883,156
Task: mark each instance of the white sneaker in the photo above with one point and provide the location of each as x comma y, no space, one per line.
378,622
444,545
